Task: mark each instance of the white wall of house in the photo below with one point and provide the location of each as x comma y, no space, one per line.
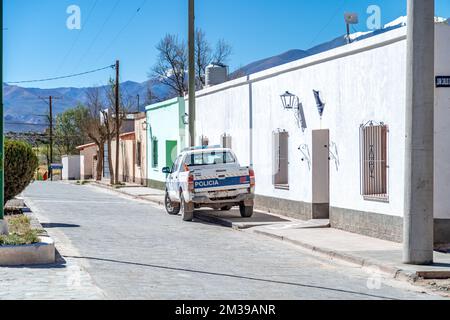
71,167
359,82
441,126
226,112
164,123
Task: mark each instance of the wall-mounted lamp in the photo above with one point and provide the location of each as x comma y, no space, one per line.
292,102
144,125
185,119
289,100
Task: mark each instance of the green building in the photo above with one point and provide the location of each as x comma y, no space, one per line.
165,139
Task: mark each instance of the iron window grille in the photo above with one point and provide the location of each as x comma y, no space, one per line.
280,160
226,141
374,161
155,153
138,154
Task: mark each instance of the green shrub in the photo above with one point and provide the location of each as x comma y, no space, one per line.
21,232
20,166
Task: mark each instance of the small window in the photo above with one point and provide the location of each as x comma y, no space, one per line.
374,158
226,141
209,158
204,141
176,164
281,160
138,154
155,153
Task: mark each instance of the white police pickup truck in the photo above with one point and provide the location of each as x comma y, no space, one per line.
208,177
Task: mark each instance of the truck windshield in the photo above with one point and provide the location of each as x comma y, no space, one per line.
209,158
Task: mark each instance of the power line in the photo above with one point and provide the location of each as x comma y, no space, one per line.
77,38
62,77
328,23
138,10
26,124
97,35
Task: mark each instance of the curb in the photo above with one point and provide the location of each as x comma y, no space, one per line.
42,253
215,220
158,202
393,272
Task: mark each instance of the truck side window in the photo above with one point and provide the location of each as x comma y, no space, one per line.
175,165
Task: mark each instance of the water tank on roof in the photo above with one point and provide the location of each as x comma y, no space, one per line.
216,74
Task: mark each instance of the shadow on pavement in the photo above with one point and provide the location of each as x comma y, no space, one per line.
234,276
59,225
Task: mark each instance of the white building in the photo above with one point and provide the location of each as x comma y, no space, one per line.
349,166
71,167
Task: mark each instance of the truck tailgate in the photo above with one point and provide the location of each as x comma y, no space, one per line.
206,180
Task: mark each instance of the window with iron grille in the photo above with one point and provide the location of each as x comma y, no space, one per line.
374,161
204,141
138,153
281,160
226,141
155,153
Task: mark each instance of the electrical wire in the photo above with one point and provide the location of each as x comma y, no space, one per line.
97,35
62,77
26,124
77,38
328,23
138,10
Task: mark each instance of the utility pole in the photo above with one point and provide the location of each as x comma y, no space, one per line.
116,173
192,72
51,135
419,161
50,129
138,103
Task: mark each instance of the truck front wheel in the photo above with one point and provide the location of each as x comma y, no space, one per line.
246,211
187,210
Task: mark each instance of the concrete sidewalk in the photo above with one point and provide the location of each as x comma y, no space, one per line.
358,249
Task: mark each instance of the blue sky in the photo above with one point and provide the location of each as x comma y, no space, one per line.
37,43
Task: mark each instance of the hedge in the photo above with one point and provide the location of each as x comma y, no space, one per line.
20,166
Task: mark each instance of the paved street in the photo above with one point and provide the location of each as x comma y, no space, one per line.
114,247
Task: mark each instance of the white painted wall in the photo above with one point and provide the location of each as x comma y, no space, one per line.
226,112
71,168
442,126
163,122
359,82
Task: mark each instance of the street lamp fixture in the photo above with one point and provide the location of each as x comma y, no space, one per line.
288,99
292,102
185,119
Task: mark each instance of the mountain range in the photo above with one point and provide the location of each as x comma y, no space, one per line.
23,105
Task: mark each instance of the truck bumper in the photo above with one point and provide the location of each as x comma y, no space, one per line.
248,200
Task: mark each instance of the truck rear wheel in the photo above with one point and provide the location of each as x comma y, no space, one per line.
187,212
171,207
246,211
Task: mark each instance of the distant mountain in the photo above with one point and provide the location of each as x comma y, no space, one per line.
24,109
